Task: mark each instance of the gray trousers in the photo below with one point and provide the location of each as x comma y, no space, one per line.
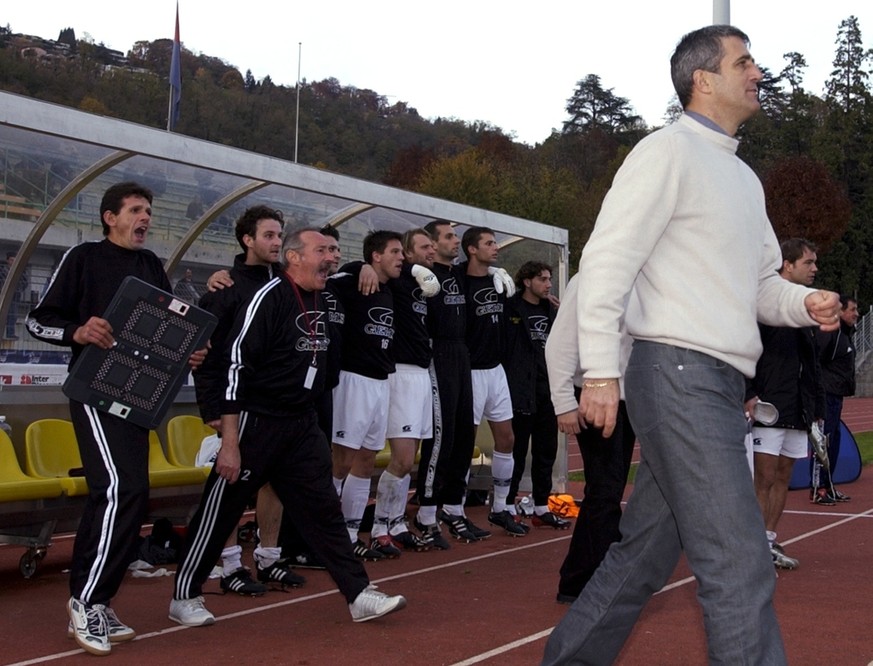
693,492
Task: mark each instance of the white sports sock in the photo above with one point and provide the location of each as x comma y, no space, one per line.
231,559
771,537
387,495
338,484
502,465
453,509
398,514
427,514
356,494
267,556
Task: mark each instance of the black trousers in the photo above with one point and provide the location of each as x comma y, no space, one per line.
292,454
115,456
445,458
607,462
539,432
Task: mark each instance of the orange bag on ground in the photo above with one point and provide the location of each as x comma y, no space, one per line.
563,505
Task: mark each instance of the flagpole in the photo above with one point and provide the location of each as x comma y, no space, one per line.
297,117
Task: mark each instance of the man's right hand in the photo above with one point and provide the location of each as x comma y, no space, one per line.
598,404
219,280
95,331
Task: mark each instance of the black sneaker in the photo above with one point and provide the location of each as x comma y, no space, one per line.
366,554
278,573
457,526
478,532
303,560
384,545
837,496
550,519
506,520
431,535
409,541
822,498
241,582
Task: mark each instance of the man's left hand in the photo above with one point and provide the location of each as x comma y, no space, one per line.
196,359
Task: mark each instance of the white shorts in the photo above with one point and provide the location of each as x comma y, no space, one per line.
360,412
491,399
410,411
780,442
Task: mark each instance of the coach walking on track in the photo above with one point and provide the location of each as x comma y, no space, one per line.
683,205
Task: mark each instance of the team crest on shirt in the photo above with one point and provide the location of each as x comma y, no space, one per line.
381,322
331,304
487,302
453,295
539,328
311,324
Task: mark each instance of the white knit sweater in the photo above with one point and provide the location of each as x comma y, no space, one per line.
683,252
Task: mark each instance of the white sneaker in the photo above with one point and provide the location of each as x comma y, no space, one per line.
781,560
89,626
118,631
190,612
371,603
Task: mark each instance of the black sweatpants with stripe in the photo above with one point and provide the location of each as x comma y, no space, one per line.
292,454
115,456
445,458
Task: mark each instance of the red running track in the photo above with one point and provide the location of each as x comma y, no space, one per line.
485,603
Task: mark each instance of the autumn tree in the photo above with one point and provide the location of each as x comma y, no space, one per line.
804,201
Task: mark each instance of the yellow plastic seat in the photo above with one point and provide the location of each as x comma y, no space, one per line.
15,485
162,473
384,456
184,436
51,452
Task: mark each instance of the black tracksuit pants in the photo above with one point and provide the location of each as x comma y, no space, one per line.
115,456
291,454
445,458
607,462
539,432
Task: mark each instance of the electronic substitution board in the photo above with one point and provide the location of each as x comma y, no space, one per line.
139,377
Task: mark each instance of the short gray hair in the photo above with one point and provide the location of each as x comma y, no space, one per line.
293,241
701,49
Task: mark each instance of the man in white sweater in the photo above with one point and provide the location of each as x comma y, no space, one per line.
683,254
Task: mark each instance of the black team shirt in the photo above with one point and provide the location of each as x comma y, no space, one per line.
485,332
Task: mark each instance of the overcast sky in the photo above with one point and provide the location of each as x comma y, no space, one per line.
513,64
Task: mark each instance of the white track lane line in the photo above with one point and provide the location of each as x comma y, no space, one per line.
503,649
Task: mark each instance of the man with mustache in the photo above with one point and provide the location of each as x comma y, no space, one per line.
277,368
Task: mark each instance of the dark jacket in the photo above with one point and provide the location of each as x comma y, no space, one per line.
524,360
837,356
788,375
84,285
210,379
277,351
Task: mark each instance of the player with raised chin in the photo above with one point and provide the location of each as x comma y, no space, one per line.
114,451
277,368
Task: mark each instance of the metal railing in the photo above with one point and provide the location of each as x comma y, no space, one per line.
863,338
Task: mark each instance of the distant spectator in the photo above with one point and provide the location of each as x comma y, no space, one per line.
837,357
186,289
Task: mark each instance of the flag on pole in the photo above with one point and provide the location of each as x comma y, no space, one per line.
175,79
